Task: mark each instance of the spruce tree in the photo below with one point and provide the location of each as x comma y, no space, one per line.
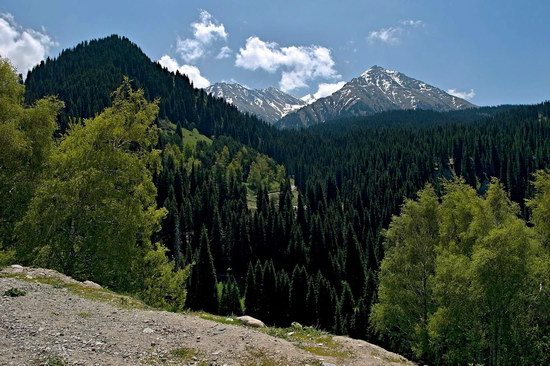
203,278
298,293
252,295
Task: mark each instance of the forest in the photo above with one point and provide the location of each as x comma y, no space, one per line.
389,228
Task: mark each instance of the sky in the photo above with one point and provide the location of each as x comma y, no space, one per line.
490,52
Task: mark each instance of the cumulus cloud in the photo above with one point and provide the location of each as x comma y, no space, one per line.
462,94
205,31
326,89
192,72
225,52
208,29
298,64
23,47
392,35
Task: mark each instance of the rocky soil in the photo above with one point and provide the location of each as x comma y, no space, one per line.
56,320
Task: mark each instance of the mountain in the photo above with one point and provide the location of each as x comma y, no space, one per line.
269,104
85,76
376,90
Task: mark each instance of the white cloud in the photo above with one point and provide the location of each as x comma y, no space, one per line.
205,32
463,95
326,89
386,35
192,72
392,35
23,47
298,64
208,29
190,49
225,52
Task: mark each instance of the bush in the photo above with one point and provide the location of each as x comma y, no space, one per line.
14,292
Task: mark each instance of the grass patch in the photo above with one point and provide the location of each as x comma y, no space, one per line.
191,138
312,340
260,357
14,292
84,315
217,318
184,353
102,295
309,339
54,360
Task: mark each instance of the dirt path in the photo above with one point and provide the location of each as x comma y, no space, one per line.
59,321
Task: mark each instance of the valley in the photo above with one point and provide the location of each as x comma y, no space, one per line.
151,214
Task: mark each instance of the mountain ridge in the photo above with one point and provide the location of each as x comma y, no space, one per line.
269,104
375,90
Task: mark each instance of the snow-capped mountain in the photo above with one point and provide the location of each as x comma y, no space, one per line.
269,104
376,90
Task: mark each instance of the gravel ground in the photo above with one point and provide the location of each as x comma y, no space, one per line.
52,325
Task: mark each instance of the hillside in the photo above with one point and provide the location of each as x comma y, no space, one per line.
85,76
60,321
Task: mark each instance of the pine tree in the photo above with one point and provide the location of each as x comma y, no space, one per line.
298,293
344,310
354,266
203,278
252,295
230,301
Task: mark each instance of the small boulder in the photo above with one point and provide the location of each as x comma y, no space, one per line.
15,268
148,330
91,284
251,322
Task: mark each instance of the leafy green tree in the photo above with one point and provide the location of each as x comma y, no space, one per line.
540,206
94,211
486,280
405,299
26,139
163,283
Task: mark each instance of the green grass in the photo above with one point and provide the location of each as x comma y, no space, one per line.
260,357
191,138
184,353
102,295
312,340
84,315
216,318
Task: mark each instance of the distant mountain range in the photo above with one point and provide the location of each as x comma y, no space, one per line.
269,104
376,90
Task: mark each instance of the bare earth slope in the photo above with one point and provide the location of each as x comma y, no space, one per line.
60,321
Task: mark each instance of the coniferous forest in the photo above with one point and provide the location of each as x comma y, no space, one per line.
422,231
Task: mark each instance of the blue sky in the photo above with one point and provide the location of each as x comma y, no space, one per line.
492,51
